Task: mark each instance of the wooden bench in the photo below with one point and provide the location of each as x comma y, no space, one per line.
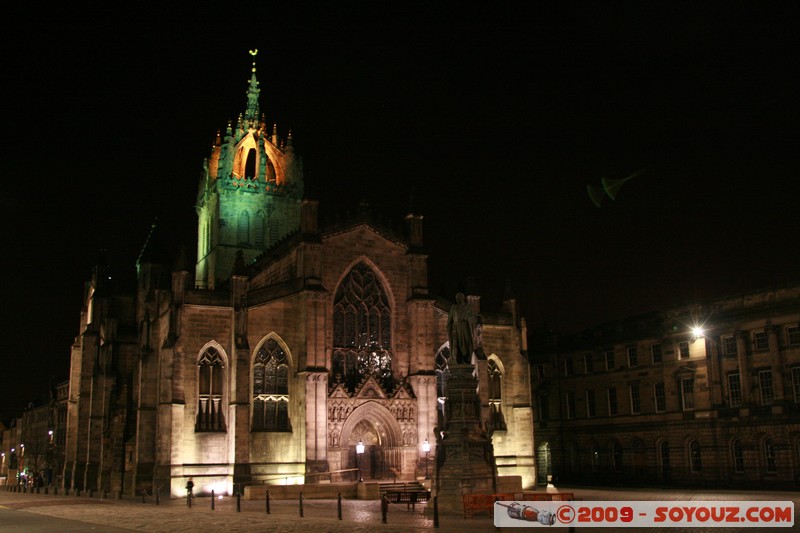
477,503
408,497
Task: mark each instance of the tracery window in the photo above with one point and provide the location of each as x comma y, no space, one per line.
271,388
362,329
210,374
497,420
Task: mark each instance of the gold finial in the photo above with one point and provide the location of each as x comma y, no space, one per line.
253,53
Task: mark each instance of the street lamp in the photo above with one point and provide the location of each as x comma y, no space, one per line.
359,451
426,447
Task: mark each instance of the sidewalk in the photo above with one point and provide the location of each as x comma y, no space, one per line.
358,516
321,516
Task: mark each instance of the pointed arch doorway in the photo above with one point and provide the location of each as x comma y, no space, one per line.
373,426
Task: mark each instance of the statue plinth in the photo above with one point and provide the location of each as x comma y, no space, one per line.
464,456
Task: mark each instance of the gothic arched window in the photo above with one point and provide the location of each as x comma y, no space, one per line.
259,228
271,389
362,329
497,420
243,228
210,380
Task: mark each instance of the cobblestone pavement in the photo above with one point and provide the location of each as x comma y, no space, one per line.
321,516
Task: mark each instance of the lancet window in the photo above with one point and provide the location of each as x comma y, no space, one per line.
271,388
497,420
362,329
210,373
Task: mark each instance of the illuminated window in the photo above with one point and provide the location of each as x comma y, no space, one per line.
695,459
738,456
655,353
734,389
765,385
211,374
362,329
660,397
271,389
683,350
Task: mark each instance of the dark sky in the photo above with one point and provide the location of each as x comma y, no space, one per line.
495,118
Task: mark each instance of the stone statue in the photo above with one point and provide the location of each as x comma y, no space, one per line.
461,323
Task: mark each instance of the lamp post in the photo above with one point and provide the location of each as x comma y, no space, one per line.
359,451
426,447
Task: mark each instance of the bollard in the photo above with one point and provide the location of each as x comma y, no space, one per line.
436,512
267,498
212,499
340,505
91,493
144,493
45,490
55,491
301,505
158,489
38,489
384,508
189,500
77,492
238,502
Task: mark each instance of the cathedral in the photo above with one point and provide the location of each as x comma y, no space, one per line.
288,353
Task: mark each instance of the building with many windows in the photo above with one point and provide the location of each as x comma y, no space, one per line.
706,394
283,351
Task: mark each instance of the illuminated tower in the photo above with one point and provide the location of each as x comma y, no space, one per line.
249,195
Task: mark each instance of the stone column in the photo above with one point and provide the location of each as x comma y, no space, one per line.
464,455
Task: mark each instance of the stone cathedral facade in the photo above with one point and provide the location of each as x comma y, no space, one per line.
284,346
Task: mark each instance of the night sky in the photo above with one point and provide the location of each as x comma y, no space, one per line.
492,120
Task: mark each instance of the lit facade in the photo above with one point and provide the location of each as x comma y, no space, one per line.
282,348
652,400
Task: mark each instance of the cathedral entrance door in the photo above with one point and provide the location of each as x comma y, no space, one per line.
370,461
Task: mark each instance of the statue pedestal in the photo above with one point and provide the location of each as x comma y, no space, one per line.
464,456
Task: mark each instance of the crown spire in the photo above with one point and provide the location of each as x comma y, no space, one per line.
252,113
